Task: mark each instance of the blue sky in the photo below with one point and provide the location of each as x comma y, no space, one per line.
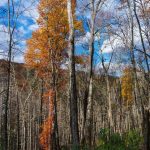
26,24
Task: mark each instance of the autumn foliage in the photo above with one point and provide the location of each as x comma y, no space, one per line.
46,52
47,127
127,86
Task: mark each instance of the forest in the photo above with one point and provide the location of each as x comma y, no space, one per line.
75,75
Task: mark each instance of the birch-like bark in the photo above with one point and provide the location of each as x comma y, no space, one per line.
89,111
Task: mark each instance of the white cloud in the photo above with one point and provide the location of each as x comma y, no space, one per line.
30,8
137,39
3,2
33,13
33,27
24,22
106,47
27,9
110,5
3,38
23,42
111,44
19,58
83,39
114,69
22,30
17,55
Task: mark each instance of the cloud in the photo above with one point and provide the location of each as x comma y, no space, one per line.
31,9
22,30
4,38
83,39
111,44
137,39
24,21
106,47
26,24
19,58
33,27
33,13
17,55
114,69
3,2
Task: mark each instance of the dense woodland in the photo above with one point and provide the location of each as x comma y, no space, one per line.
85,80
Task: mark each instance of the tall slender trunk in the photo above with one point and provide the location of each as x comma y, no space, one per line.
89,111
141,37
72,92
18,124
147,127
110,119
55,135
8,83
25,135
146,20
41,110
41,103
146,116
133,62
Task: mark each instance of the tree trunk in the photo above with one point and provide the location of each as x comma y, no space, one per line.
72,92
18,124
110,120
8,83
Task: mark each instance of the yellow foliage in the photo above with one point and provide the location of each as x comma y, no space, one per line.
127,86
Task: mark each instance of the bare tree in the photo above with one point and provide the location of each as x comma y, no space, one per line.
94,9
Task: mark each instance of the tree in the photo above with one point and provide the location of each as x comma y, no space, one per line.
94,8
72,88
46,50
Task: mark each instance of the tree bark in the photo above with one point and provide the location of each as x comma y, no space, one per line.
72,90
6,101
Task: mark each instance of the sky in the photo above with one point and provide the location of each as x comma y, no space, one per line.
25,25
25,21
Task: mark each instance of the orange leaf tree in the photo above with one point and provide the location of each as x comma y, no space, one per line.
46,52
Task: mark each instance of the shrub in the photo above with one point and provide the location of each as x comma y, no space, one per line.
128,141
133,140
